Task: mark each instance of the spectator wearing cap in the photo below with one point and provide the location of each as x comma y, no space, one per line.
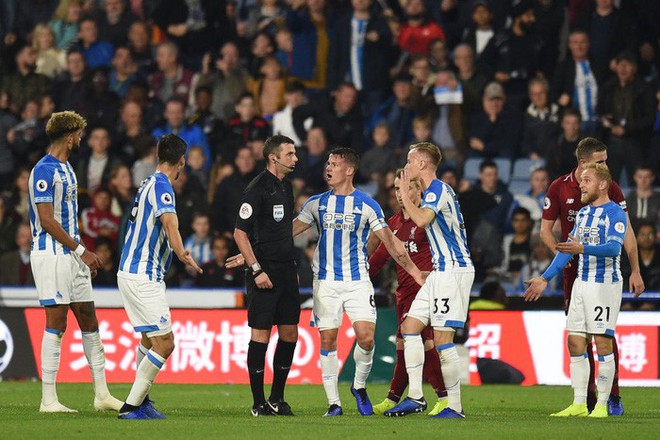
627,109
339,117
575,84
97,52
517,53
495,130
417,31
397,111
541,123
362,63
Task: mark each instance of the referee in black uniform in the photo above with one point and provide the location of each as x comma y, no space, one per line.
263,233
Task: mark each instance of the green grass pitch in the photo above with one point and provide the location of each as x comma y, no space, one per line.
222,411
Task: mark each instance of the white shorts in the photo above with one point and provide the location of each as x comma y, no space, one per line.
333,298
594,307
146,305
61,279
444,299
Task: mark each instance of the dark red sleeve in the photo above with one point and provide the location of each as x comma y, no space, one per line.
377,260
616,195
551,202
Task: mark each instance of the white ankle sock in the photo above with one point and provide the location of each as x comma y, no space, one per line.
606,370
363,361
330,372
144,377
50,363
580,377
451,374
413,353
95,355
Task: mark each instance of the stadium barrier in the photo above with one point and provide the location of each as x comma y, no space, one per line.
211,343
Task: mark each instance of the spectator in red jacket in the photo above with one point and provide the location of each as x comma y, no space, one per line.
418,31
98,221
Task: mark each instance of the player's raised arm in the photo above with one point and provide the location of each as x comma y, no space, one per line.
398,252
48,222
171,227
420,215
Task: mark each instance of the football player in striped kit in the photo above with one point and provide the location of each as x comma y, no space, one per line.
597,237
345,217
444,298
61,265
151,237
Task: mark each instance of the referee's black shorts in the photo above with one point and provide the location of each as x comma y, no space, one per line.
279,305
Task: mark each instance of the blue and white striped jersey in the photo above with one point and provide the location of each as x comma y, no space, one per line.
446,234
585,92
200,249
147,253
598,225
344,223
52,181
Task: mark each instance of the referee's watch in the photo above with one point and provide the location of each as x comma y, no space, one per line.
256,268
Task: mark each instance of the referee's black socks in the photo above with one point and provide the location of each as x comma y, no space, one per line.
281,367
256,361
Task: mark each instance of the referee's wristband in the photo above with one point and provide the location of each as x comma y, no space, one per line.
257,273
80,250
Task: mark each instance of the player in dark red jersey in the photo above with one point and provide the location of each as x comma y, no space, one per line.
562,202
415,241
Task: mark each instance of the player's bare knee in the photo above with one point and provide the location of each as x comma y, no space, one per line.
577,344
604,345
329,340
163,345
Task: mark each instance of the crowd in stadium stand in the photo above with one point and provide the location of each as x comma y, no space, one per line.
506,88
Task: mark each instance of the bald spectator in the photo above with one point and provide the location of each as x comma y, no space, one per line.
171,79
25,84
541,123
575,83
226,78
16,269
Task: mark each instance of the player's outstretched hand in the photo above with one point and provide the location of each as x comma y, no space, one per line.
91,260
573,246
636,284
263,281
535,288
234,261
190,261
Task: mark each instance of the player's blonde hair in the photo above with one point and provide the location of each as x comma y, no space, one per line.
414,180
431,151
61,124
601,171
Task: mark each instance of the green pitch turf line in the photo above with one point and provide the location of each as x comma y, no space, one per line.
222,412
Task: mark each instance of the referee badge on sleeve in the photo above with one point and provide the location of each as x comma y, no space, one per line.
278,212
245,212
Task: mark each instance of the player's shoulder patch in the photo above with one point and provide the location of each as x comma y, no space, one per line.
430,197
41,185
620,227
623,204
546,202
246,211
166,198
